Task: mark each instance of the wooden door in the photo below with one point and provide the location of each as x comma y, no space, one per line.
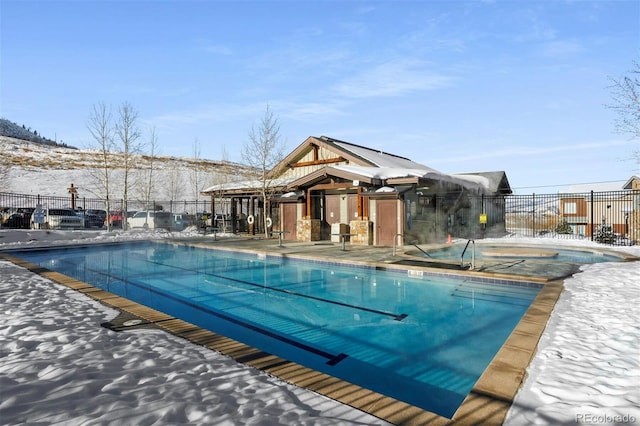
289,220
332,213
386,222
352,207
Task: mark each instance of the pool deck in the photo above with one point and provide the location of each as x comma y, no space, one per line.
487,403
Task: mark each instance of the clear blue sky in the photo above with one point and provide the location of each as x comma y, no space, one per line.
519,86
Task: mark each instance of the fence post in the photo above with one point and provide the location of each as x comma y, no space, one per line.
534,214
483,226
591,220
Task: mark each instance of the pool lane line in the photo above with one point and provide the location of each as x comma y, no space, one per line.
396,317
332,359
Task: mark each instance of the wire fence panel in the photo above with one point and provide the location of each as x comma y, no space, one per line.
611,217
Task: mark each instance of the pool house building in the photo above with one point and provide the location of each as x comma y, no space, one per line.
328,189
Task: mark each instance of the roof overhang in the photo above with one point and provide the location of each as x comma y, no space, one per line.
289,197
387,192
314,178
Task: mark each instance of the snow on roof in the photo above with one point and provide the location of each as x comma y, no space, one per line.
382,172
379,158
597,186
477,179
385,189
247,184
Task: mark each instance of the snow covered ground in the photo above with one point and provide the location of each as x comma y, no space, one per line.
58,366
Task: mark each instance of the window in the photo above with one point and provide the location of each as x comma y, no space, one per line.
570,208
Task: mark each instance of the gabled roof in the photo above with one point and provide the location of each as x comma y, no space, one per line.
629,184
351,162
353,154
496,182
388,176
377,158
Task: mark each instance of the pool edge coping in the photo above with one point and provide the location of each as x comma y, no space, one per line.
488,402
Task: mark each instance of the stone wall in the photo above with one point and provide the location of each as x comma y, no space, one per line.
361,232
308,230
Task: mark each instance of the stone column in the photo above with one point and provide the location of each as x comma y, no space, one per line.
308,229
361,232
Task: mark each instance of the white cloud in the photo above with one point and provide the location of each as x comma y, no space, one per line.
394,78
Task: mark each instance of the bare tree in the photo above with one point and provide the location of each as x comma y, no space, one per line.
149,181
219,178
129,145
174,182
5,166
626,103
195,176
223,172
262,153
101,130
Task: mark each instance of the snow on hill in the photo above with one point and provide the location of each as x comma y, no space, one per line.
39,169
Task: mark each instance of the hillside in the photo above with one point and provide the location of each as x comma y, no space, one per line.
13,130
35,168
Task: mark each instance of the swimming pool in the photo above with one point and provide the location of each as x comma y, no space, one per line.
485,251
424,340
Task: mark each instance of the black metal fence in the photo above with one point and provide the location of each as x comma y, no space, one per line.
11,202
611,217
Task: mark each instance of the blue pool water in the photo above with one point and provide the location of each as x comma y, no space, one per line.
454,252
421,339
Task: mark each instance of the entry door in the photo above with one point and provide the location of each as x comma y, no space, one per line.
386,220
289,220
333,209
352,207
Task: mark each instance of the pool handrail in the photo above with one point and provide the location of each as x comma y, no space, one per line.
395,242
415,244
473,255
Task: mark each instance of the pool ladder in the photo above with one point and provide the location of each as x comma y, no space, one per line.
473,255
395,241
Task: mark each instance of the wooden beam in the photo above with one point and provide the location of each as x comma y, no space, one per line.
333,185
365,207
316,162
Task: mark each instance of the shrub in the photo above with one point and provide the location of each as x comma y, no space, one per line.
564,228
605,235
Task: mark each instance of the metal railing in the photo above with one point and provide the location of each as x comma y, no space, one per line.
611,217
473,254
